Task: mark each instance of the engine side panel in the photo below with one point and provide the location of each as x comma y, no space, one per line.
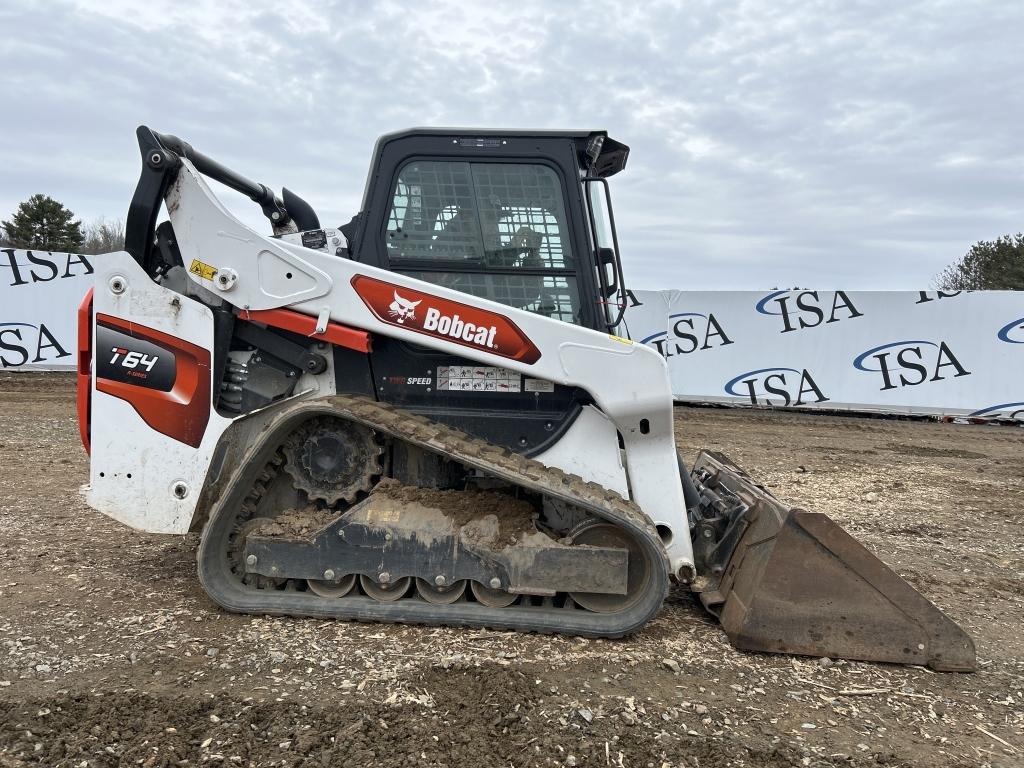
500,405
152,437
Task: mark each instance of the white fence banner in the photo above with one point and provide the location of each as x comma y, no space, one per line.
39,297
911,352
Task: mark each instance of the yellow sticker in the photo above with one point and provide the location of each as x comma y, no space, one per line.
205,271
619,339
383,515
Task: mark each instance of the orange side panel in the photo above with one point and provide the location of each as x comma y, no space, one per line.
290,320
182,412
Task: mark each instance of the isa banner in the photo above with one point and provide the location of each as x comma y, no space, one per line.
910,352
39,297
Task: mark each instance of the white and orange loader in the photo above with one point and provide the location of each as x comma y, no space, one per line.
286,395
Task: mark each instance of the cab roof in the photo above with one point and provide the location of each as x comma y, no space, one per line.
596,152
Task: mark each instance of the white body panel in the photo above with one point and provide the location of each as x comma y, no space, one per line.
590,449
628,382
134,468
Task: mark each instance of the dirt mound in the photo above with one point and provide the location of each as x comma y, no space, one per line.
462,506
302,522
446,717
486,518
491,516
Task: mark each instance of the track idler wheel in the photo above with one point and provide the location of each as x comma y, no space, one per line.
597,533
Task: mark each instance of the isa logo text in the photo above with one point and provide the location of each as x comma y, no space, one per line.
689,332
910,363
788,386
808,309
21,343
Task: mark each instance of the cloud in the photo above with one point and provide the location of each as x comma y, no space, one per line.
830,144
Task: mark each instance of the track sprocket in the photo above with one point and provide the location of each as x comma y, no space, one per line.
333,459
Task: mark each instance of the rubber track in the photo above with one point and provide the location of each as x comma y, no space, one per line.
470,451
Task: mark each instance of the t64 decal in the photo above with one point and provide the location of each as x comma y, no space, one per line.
166,379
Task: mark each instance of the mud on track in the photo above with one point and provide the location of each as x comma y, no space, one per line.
110,654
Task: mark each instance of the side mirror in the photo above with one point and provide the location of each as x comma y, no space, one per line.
602,232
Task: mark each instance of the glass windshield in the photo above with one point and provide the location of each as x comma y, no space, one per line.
491,214
493,230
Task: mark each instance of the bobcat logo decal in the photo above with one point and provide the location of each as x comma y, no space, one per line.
446,320
403,309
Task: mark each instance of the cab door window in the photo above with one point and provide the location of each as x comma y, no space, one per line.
494,230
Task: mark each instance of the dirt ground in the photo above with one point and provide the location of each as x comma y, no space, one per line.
110,654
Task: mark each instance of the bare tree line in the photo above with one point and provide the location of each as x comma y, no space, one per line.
103,236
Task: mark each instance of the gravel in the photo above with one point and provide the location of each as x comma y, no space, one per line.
110,653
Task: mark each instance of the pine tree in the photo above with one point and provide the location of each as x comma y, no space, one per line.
41,223
990,265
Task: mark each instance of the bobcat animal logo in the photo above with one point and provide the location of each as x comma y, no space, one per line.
403,309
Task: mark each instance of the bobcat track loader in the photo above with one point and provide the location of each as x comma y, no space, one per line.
429,416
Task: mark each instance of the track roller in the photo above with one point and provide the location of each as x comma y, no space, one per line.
492,598
326,588
387,592
440,595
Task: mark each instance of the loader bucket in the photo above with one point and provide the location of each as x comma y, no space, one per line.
783,580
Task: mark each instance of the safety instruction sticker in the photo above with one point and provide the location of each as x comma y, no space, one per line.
477,378
205,271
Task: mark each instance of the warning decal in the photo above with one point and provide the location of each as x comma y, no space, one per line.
205,271
477,378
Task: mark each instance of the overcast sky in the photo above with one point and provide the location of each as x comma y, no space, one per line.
822,144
